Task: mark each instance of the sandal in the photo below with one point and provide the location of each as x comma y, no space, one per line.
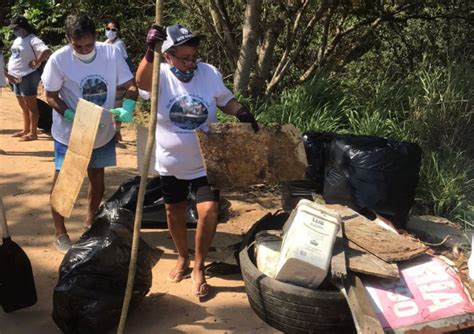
202,290
178,275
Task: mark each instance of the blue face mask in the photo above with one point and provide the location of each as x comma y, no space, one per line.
182,76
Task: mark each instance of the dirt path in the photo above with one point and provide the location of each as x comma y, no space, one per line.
26,170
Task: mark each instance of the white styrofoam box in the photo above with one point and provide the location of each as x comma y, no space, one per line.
267,251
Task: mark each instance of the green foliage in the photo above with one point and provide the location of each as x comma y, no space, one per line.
318,105
446,187
441,114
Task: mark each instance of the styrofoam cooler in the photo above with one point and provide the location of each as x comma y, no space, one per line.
267,251
308,240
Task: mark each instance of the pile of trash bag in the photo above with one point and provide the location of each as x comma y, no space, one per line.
89,294
153,205
373,174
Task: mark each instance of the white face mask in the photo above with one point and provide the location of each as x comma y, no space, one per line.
85,58
111,35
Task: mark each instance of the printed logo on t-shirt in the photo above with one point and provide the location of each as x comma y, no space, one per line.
188,112
16,52
94,89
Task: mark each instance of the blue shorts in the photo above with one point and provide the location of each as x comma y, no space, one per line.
28,85
101,157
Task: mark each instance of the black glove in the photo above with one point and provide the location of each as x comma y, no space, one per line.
244,115
156,34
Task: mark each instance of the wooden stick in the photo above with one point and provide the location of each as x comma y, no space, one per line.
144,175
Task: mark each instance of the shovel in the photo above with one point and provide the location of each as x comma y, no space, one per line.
17,285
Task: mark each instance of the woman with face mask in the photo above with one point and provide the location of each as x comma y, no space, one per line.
92,71
112,33
28,52
190,93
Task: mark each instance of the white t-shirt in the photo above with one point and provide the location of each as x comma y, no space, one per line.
120,44
183,108
24,50
96,82
3,82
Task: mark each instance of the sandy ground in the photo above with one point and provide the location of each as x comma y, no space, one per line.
26,171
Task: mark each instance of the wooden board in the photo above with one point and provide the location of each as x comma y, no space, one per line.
76,161
383,243
363,313
338,260
236,157
358,260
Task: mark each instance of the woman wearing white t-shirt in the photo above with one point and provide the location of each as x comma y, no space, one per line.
112,32
190,93
27,54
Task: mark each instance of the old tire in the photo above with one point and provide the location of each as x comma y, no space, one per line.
287,307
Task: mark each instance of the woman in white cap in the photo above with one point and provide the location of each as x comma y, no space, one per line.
190,93
28,52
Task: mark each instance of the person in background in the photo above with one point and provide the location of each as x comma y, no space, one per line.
27,54
3,82
189,94
112,32
94,72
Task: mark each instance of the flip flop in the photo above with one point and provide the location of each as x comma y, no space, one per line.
28,138
179,274
202,290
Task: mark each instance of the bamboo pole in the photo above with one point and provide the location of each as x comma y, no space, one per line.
144,175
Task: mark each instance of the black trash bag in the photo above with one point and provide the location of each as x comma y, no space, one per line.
89,294
370,173
45,120
293,191
153,205
316,145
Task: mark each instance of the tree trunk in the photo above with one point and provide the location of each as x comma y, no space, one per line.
265,57
248,49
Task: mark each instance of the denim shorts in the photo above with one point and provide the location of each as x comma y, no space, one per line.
177,190
28,85
101,157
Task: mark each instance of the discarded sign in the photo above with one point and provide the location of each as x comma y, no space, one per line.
429,295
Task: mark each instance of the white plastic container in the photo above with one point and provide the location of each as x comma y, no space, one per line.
267,251
308,240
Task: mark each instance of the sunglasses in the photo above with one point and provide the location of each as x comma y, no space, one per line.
113,29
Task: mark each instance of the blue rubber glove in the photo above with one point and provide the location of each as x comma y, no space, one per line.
69,115
125,113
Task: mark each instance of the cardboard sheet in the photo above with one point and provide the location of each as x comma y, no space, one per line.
236,157
74,168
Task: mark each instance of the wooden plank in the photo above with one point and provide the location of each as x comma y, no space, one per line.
362,311
236,157
358,260
383,243
76,161
338,260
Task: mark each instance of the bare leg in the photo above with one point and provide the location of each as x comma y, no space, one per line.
26,117
58,220
33,112
176,218
206,229
118,133
95,193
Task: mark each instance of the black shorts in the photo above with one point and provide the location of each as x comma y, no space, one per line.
176,190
